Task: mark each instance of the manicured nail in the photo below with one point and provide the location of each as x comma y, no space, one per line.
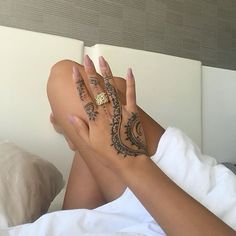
72,119
88,61
51,117
130,73
102,61
76,75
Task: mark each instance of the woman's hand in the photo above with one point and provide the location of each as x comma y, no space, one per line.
114,130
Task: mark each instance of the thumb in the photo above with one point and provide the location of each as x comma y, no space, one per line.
80,127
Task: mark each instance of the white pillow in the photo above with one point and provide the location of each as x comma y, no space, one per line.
28,184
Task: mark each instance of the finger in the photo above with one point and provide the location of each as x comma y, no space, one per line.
80,127
105,70
109,82
87,102
130,92
80,85
92,76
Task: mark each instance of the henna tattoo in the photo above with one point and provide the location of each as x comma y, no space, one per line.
107,77
105,111
116,123
93,81
134,132
90,110
80,85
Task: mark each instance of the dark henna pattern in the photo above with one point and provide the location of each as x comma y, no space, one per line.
116,124
80,85
134,132
105,111
90,110
93,81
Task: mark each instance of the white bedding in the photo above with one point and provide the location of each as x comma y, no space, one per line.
210,183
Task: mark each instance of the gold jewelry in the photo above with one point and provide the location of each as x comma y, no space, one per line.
101,98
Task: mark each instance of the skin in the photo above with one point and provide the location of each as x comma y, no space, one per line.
138,172
119,117
90,183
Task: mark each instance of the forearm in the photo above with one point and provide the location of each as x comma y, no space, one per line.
170,206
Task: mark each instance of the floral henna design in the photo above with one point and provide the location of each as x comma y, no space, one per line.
134,132
116,124
93,81
80,85
90,110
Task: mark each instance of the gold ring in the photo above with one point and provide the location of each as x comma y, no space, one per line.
101,98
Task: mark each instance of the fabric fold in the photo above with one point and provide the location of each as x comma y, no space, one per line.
210,183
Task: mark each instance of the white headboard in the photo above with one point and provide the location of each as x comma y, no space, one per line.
25,61
219,113
169,88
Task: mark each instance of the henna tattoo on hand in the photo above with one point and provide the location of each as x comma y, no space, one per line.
134,132
93,81
80,85
116,125
90,110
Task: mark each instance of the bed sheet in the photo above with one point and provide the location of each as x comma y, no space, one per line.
199,175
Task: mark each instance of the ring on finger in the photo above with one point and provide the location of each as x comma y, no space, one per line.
101,98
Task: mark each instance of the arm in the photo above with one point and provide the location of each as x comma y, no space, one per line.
115,132
176,211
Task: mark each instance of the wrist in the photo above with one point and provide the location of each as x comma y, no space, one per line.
129,165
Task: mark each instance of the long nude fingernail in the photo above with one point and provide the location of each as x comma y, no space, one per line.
87,61
72,119
130,74
51,117
76,75
102,61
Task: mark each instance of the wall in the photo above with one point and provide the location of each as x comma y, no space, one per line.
204,29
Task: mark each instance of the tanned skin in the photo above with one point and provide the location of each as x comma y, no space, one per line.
135,168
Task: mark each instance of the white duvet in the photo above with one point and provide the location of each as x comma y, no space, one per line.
210,183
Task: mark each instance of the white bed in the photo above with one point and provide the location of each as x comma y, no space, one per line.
174,91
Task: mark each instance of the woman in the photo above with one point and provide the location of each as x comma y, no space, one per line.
113,140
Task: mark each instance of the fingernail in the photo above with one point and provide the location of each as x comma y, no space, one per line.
72,119
75,74
51,117
102,61
87,61
130,73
